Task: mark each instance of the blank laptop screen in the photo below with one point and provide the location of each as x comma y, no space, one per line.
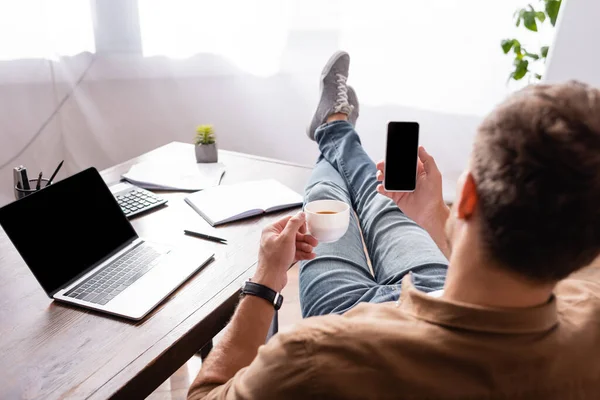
66,228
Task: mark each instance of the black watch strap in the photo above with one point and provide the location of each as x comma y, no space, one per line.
258,290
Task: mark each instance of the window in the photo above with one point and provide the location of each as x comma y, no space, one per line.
44,28
442,55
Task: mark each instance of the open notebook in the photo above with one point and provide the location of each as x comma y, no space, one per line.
227,203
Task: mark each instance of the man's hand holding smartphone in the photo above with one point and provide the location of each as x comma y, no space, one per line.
425,205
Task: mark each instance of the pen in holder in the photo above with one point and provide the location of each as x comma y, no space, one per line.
20,192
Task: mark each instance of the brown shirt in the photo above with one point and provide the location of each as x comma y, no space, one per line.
430,348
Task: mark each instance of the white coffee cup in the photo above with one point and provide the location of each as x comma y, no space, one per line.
327,228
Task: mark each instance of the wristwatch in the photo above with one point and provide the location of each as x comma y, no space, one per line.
258,290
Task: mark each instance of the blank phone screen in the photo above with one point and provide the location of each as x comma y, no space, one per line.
401,156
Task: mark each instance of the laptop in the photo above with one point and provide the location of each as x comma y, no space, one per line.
81,248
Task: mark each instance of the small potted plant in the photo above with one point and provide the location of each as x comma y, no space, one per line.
206,146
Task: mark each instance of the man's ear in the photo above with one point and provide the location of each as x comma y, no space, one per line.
468,198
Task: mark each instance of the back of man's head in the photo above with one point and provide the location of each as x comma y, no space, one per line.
536,165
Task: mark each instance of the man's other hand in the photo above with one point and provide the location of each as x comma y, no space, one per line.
281,245
425,205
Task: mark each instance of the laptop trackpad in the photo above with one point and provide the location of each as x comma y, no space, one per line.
145,293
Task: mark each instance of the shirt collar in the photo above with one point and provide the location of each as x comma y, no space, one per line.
453,314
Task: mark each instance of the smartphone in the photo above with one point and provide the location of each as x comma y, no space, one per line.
401,154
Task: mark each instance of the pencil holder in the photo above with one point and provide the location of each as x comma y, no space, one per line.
20,193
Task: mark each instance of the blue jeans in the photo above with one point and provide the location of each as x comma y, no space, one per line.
340,278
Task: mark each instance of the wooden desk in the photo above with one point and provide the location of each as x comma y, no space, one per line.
50,350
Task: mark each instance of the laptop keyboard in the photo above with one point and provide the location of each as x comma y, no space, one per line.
117,276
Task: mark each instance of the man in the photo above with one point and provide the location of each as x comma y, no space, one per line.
507,324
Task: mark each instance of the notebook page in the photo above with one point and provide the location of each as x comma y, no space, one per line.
226,202
275,195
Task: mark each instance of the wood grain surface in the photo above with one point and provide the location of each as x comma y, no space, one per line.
50,350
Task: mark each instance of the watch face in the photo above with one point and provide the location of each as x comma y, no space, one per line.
244,283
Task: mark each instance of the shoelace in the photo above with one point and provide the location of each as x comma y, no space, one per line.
341,104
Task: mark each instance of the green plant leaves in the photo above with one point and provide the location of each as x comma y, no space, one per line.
205,134
540,16
519,15
533,56
521,69
517,48
528,17
552,9
506,45
529,20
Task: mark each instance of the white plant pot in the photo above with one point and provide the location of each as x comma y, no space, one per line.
207,153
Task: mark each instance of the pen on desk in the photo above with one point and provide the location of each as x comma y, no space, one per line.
39,182
55,172
205,236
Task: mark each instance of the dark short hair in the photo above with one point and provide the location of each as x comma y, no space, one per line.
536,164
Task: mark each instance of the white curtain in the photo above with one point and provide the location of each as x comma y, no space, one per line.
96,82
41,29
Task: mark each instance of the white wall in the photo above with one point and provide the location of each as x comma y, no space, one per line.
30,94
575,53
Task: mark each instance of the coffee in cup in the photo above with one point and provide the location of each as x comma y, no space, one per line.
327,220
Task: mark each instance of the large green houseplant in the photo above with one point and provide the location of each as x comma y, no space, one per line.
530,18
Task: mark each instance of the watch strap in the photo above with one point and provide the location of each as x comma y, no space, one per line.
262,291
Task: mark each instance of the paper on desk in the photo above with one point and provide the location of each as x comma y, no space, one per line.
175,176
